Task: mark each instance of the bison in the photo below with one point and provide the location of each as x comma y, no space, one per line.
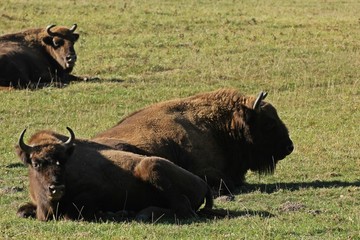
38,57
218,135
80,179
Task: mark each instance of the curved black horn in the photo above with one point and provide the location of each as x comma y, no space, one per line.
262,95
22,145
73,28
71,139
48,29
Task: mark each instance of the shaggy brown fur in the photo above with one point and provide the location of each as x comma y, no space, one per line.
36,57
84,180
217,135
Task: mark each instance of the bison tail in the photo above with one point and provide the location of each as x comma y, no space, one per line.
208,212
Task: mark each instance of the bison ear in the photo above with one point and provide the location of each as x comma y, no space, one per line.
75,36
70,150
48,40
250,115
24,157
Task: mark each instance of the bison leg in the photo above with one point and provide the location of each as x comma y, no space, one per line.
118,216
181,208
178,205
6,88
83,207
157,173
153,214
41,212
27,210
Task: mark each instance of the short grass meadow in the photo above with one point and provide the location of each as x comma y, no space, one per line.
306,54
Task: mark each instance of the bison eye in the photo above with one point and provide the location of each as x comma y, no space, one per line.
36,165
58,42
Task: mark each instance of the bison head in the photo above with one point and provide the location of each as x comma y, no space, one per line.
46,157
59,42
268,136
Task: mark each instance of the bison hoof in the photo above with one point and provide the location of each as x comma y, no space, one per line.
142,218
91,79
27,211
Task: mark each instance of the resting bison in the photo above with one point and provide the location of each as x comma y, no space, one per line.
80,179
218,135
36,57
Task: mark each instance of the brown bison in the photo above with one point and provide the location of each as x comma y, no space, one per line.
37,57
80,179
218,135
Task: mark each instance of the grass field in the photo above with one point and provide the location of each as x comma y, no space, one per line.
305,53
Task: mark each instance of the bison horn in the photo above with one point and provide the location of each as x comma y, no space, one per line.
48,29
262,95
26,148
71,139
73,28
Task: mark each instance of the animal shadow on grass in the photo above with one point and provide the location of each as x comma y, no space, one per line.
204,216
33,86
98,79
114,80
103,80
293,186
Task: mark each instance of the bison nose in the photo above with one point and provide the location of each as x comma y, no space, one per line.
56,187
290,148
71,58
56,191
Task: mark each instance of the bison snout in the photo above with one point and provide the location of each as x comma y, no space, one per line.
290,148
56,191
70,60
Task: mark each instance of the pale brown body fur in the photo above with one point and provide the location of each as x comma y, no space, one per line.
218,135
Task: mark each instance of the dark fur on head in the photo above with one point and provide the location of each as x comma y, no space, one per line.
45,156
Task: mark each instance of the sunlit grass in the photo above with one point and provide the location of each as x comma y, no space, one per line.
306,54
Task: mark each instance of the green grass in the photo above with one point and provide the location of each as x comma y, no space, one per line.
305,53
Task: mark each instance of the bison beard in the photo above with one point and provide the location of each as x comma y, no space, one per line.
38,57
80,179
218,136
